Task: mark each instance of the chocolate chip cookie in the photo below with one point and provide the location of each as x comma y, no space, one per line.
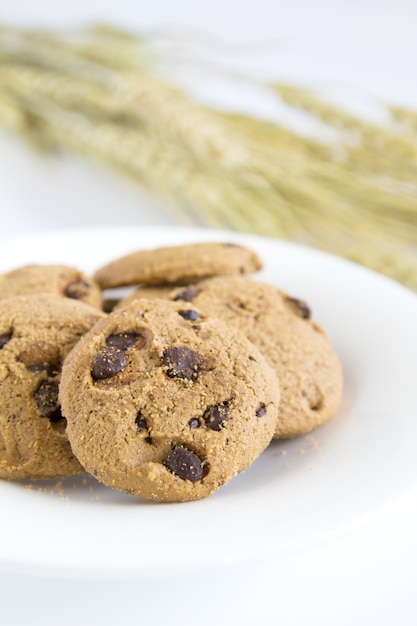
167,403
60,280
177,264
281,326
36,334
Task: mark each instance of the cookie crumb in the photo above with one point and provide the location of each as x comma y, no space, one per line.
4,372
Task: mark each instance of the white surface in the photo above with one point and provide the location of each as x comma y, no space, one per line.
329,489
363,575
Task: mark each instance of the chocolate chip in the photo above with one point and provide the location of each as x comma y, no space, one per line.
189,315
261,410
194,423
77,289
109,304
47,399
182,362
140,422
124,341
108,362
216,415
299,307
187,295
142,425
185,464
5,338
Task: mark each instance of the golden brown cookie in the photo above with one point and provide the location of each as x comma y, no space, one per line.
36,334
60,280
165,403
281,326
177,264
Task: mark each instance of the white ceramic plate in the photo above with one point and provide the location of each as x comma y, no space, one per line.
299,494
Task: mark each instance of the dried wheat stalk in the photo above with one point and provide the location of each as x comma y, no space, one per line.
97,94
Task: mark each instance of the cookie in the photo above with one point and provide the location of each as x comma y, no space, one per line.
281,326
166,403
36,334
60,280
178,263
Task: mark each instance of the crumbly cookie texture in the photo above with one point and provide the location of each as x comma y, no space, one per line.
281,326
61,280
178,263
167,403
36,334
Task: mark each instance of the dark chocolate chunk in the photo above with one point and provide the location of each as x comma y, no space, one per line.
194,423
5,338
182,362
140,422
124,341
190,315
109,304
108,362
47,399
142,425
216,415
185,464
261,410
187,295
299,307
77,289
